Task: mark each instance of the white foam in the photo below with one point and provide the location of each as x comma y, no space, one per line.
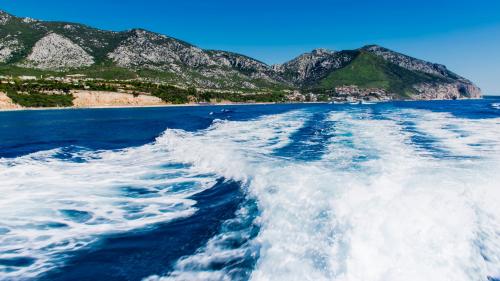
457,136
394,213
375,207
41,191
221,249
40,188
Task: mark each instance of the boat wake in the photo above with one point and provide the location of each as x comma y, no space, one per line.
378,205
394,194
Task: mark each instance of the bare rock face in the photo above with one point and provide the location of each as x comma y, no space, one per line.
195,57
245,65
470,90
8,46
4,17
7,104
303,65
441,91
29,20
57,52
149,50
238,61
206,69
312,66
99,98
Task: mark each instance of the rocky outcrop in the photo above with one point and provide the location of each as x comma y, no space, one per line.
7,104
57,52
8,46
239,62
426,91
310,66
104,99
144,49
206,69
469,90
248,67
4,17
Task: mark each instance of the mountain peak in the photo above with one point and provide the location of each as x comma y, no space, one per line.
308,65
321,51
371,46
139,30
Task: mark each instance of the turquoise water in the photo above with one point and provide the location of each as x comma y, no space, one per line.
390,191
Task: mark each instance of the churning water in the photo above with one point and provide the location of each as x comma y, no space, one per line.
393,191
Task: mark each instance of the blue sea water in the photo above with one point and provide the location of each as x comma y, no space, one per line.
389,191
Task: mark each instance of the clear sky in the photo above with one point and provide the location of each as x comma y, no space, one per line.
463,35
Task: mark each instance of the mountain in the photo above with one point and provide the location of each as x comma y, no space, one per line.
373,67
58,48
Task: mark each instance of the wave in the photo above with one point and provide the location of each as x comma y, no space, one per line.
376,206
63,200
52,205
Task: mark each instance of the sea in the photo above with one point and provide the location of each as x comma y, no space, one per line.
380,192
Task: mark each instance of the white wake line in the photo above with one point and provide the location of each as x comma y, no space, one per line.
463,137
402,217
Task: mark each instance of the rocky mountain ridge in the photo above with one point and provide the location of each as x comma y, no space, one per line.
309,66
60,47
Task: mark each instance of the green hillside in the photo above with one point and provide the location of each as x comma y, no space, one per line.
370,71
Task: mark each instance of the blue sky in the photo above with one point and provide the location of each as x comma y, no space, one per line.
464,35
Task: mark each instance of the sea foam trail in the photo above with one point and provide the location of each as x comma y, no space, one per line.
416,217
62,200
375,207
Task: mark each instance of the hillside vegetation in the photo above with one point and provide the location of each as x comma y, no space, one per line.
369,71
53,50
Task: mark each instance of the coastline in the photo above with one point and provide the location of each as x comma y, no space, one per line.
201,105
142,106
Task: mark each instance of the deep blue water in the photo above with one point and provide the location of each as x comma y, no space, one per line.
220,193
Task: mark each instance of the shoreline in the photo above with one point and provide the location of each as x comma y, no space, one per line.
201,105
141,106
